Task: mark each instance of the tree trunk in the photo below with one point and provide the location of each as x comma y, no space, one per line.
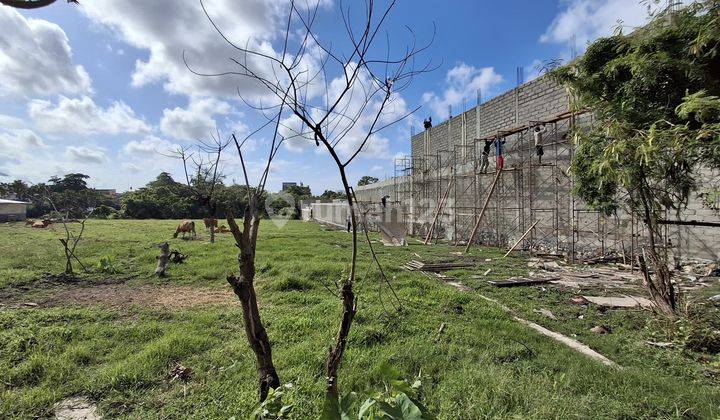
244,288
68,257
349,304
336,353
661,289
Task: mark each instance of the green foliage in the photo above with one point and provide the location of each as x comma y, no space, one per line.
397,401
332,195
654,95
69,193
104,212
164,198
278,405
367,180
107,264
116,343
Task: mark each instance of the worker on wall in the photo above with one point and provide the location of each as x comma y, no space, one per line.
485,157
427,123
499,143
538,133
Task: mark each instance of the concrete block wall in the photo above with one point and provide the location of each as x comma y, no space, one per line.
527,192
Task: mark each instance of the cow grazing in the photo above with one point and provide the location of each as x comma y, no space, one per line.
210,223
185,226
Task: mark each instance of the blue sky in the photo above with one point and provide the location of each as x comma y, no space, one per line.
101,88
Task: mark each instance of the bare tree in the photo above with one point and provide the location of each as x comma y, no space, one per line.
72,236
203,174
342,115
246,241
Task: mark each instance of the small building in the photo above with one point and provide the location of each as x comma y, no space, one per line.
12,210
109,194
286,185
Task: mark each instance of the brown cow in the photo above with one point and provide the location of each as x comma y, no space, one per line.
210,223
185,226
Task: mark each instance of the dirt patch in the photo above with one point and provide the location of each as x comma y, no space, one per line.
78,408
125,295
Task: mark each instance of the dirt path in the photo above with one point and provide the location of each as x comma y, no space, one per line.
125,295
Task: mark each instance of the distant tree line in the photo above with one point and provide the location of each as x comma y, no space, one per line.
162,198
69,194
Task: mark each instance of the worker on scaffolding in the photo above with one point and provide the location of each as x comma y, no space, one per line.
427,123
499,144
485,157
538,133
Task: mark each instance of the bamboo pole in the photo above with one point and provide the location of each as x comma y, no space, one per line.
482,212
441,204
521,239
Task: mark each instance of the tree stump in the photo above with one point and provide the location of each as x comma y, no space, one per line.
163,259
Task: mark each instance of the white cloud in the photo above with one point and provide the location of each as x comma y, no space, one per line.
36,58
194,122
7,121
18,141
297,137
83,116
583,21
85,154
169,30
150,147
462,83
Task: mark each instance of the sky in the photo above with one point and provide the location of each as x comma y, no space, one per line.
102,87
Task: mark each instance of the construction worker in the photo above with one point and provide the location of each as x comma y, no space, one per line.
538,132
427,123
485,157
499,143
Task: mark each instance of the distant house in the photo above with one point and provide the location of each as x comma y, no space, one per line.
286,185
12,210
109,194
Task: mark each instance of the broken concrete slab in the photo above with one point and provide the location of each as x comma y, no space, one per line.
620,302
545,312
76,408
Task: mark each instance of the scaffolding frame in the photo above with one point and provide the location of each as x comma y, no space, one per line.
528,192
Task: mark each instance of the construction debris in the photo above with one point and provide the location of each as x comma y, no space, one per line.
572,343
452,282
179,372
660,345
413,265
520,282
601,329
546,312
620,302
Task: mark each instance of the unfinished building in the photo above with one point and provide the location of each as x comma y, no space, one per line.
444,193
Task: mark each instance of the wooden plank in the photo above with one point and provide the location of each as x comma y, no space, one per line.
521,238
441,204
482,212
519,282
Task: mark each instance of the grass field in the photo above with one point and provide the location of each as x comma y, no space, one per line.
113,334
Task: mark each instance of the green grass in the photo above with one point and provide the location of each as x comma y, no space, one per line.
483,365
